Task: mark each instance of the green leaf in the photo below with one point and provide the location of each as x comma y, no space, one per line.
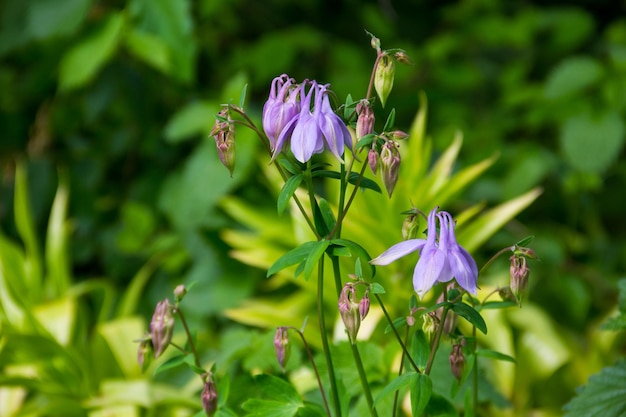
294,256
288,165
391,119
398,323
492,305
150,49
327,214
364,182
398,383
571,76
191,121
242,98
495,355
84,60
592,143
170,363
471,315
604,395
420,349
358,252
376,288
314,256
290,187
421,391
526,241
278,398
119,335
56,252
365,141
439,406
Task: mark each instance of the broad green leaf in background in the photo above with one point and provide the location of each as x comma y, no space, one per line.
572,75
56,254
421,390
191,121
53,18
279,398
591,143
149,48
83,61
604,395
120,335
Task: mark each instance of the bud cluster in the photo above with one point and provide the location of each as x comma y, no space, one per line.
224,134
352,309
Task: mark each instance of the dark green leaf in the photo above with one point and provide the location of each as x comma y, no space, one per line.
189,360
421,391
604,395
327,214
314,256
364,182
290,187
242,98
490,305
439,406
398,323
495,355
365,141
294,256
420,349
391,119
526,241
471,315
358,252
288,165
170,363
358,268
398,383
348,107
278,398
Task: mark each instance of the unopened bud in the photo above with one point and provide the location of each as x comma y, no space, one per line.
372,160
224,134
383,77
365,119
402,58
364,306
431,322
410,321
390,166
399,135
209,396
145,352
349,311
457,361
179,292
162,327
506,294
519,276
410,226
282,346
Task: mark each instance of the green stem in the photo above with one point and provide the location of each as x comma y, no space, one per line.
475,376
397,393
395,332
192,345
435,344
325,344
317,374
355,350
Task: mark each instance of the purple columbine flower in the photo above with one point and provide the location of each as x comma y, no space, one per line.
441,260
335,132
280,110
307,137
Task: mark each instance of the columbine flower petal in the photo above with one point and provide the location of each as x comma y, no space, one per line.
306,138
334,130
280,109
398,251
462,266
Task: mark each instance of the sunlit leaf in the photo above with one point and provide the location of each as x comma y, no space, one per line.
604,395
471,315
290,187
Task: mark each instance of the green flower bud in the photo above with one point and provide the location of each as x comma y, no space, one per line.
389,166
383,77
410,226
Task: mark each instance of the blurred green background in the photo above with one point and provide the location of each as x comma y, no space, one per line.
119,97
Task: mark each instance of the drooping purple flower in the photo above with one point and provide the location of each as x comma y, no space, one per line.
335,132
307,136
441,257
280,109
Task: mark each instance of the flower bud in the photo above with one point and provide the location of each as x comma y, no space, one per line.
457,361
145,352
282,346
402,58
399,135
390,165
224,134
349,312
179,292
364,306
519,276
209,396
410,226
506,294
365,119
372,160
383,77
161,327
430,323
410,321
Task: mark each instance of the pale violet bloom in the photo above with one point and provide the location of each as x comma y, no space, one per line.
304,118
441,257
281,110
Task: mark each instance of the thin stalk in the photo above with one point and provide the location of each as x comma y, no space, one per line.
342,213
317,374
435,344
395,332
475,376
192,345
397,393
325,344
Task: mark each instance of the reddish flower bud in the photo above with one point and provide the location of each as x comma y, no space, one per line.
365,119
457,361
162,327
282,346
519,276
209,396
349,311
224,134
402,58
364,306
390,165
179,292
372,160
